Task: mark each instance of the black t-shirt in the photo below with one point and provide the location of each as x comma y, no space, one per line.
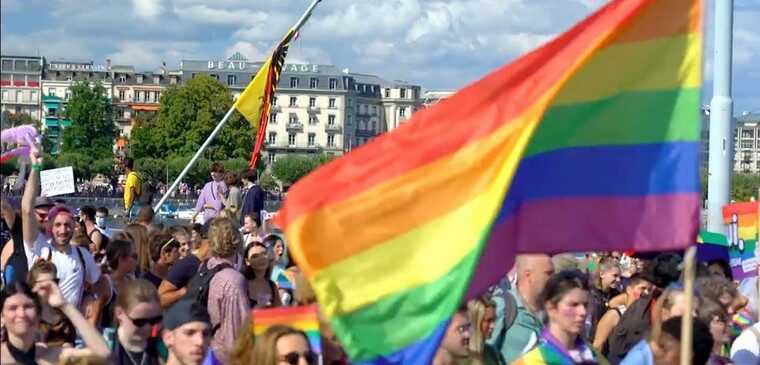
183,270
147,275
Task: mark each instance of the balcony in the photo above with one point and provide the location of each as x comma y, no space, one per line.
275,109
295,127
313,109
334,128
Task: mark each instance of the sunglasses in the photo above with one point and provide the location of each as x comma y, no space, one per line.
140,322
293,357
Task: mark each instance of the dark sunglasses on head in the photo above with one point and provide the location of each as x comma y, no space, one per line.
293,357
139,322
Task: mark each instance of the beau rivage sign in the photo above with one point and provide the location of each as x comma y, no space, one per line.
239,65
65,66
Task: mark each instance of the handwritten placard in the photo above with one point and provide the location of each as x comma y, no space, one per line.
57,181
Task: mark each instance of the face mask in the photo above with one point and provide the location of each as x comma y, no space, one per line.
100,222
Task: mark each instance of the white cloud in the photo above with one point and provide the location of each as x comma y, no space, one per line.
360,19
147,9
8,6
148,55
248,49
378,49
206,14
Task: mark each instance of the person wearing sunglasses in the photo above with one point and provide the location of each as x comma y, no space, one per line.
137,312
20,315
262,291
565,300
187,333
283,345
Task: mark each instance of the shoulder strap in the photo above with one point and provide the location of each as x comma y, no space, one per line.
510,314
84,266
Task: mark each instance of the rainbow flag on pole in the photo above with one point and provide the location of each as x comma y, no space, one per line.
303,318
590,142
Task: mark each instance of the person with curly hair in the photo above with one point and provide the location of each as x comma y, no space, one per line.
228,303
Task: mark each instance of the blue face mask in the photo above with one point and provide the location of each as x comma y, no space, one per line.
100,222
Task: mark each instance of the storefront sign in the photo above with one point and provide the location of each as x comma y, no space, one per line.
76,67
233,65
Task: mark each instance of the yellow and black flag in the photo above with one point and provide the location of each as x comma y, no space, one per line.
256,99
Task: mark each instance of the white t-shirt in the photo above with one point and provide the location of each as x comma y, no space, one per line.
32,253
746,347
70,271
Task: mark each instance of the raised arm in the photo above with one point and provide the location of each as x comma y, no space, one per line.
29,223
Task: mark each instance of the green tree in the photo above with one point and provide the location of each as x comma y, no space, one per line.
104,166
291,168
744,186
79,162
92,131
235,165
267,181
187,115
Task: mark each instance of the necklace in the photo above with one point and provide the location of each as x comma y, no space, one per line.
132,359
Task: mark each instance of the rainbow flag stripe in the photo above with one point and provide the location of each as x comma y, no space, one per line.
303,318
546,354
587,143
746,213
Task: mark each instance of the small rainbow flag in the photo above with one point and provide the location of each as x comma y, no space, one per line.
741,226
547,354
284,282
305,318
590,142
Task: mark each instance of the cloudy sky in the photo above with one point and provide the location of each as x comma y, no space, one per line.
442,44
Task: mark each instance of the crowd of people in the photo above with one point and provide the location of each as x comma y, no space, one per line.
75,292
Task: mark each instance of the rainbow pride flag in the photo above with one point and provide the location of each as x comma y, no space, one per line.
547,354
304,318
590,142
741,231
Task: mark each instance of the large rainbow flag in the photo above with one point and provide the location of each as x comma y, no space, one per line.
590,142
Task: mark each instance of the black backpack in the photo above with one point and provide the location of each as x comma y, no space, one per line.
632,327
17,266
198,286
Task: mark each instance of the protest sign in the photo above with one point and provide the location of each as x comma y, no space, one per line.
741,233
57,181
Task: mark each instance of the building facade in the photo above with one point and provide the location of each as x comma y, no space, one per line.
57,79
318,108
747,143
20,78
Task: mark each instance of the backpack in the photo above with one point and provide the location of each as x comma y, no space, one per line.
510,312
198,286
632,327
17,266
138,187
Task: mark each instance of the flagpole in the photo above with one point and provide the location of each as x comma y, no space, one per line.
219,126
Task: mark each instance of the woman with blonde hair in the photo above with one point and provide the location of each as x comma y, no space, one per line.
604,287
228,303
137,311
283,345
482,313
139,236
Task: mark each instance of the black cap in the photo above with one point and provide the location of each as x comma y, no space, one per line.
184,312
43,202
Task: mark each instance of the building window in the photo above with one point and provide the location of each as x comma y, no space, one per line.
402,111
330,119
294,82
333,84
33,96
331,103
292,118
192,76
747,144
139,79
313,83
272,138
403,93
387,92
330,140
312,139
748,134
68,94
374,126
231,80
213,76
156,79
291,140
5,94
122,79
348,119
138,96
350,103
374,110
292,101
271,158
274,101
312,102
121,95
273,118
173,80
313,120
69,78
19,96
51,92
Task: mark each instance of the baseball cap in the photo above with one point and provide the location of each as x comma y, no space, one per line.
183,312
43,202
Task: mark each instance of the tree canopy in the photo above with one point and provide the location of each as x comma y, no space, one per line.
92,131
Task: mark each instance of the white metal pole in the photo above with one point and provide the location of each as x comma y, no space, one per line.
721,119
